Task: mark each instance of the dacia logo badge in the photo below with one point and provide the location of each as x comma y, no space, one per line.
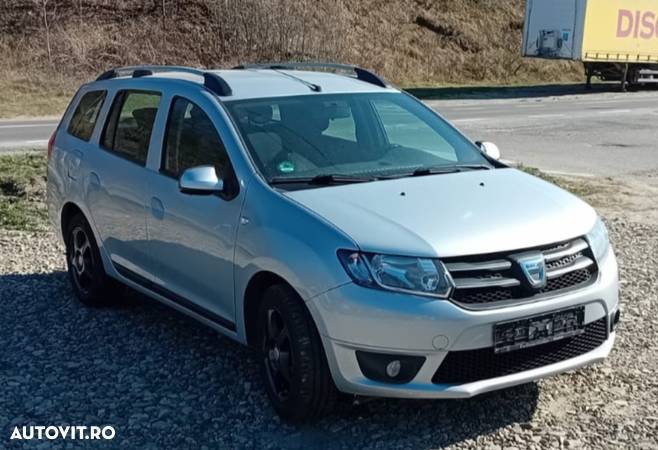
533,267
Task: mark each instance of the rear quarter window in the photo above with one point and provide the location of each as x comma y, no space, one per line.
84,117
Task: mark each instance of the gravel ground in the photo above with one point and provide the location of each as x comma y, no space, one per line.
165,382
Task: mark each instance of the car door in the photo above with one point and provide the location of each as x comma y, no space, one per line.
117,189
191,237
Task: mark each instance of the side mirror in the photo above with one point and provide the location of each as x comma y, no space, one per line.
490,149
200,180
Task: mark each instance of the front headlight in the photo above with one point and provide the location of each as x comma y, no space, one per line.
421,276
598,240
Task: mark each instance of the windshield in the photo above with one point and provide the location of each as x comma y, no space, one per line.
360,136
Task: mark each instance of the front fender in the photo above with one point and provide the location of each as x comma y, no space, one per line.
278,235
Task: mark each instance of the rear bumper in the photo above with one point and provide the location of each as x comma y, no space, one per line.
352,318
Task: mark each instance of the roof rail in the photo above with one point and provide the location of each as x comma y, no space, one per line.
211,80
361,73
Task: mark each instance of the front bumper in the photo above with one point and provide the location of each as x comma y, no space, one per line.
351,318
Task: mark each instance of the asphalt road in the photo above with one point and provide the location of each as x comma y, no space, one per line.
603,133
30,133
610,134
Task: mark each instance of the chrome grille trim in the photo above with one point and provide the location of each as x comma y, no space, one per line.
496,280
574,247
582,262
567,260
477,283
494,265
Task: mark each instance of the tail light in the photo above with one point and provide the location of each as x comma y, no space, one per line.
51,144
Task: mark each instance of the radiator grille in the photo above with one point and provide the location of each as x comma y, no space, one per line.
485,280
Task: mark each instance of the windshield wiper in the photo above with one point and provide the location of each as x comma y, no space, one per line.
321,180
473,167
437,170
424,171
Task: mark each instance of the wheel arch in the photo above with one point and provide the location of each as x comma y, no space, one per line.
69,210
253,296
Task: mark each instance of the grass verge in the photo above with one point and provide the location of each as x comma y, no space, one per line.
23,192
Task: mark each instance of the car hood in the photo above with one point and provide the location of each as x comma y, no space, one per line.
456,214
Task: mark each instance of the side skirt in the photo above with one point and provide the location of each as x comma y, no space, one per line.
175,298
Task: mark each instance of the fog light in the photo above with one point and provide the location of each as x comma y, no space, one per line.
393,368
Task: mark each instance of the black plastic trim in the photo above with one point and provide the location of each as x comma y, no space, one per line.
142,73
369,77
211,81
468,366
107,75
172,296
526,300
216,84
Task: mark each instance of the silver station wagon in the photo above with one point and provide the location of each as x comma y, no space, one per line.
347,232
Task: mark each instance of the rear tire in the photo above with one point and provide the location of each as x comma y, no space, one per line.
91,284
293,362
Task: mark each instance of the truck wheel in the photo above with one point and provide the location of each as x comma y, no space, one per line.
90,283
293,363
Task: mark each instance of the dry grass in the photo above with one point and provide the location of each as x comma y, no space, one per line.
585,188
29,90
32,98
411,42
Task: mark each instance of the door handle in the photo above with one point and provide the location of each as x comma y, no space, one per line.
157,208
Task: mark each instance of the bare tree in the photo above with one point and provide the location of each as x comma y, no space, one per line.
164,29
43,6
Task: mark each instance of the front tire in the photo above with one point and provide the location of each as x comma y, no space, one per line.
91,284
293,362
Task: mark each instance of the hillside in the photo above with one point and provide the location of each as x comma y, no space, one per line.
55,44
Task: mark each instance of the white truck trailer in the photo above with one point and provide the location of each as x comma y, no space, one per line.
615,39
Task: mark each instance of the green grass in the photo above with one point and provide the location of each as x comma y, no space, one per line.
23,192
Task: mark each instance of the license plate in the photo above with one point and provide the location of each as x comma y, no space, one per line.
537,330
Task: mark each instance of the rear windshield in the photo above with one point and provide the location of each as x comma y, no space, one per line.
84,118
369,134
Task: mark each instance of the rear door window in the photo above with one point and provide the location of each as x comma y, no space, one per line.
130,123
84,118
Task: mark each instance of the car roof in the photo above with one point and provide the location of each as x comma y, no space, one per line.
263,83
